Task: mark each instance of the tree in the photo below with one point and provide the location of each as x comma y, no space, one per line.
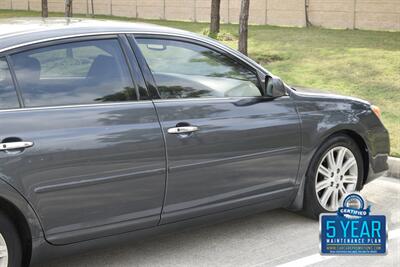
215,17
306,7
92,7
68,8
45,9
243,26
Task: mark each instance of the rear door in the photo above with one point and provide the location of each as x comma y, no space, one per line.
228,145
94,163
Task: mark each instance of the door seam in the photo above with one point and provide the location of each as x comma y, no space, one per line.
166,163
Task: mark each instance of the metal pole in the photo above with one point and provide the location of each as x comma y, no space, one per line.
195,10
136,14
354,14
229,6
164,17
92,8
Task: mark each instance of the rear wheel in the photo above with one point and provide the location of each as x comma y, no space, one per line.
10,246
336,170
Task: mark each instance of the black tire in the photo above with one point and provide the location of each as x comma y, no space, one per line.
10,235
312,207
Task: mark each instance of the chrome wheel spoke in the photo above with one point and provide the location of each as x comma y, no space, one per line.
322,185
3,251
340,156
324,171
348,164
349,179
335,199
326,196
331,160
343,190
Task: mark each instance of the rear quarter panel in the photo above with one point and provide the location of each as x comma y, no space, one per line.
9,194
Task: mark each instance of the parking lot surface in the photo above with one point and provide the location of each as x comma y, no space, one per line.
272,238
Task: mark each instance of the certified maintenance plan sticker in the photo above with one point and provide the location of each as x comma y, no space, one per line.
352,230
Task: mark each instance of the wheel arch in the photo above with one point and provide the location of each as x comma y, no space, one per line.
18,210
22,226
297,203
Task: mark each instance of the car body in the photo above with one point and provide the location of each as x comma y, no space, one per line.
89,174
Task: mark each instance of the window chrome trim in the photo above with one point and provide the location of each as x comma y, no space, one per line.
77,106
205,98
197,99
56,39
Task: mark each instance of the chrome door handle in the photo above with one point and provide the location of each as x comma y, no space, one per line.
183,129
15,145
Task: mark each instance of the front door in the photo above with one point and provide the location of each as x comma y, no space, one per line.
97,162
227,145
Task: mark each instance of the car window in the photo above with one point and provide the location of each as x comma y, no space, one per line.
186,70
8,95
78,60
74,73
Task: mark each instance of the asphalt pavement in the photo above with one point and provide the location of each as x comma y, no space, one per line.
272,238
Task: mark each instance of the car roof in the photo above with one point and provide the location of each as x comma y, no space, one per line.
21,31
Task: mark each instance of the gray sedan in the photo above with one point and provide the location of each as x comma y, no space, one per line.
113,131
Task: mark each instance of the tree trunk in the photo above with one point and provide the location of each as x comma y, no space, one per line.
243,26
215,18
306,6
92,8
68,8
45,10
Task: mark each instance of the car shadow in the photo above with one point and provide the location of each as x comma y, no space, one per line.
196,245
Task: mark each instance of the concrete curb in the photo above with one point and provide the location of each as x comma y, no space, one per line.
394,167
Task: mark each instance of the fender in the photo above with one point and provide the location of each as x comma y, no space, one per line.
321,117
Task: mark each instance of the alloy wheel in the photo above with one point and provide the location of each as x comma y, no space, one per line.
3,252
336,176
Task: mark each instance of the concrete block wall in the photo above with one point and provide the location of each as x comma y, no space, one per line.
19,5
5,4
34,5
55,5
336,14
150,9
378,14
180,10
124,8
356,14
345,14
80,6
288,12
203,9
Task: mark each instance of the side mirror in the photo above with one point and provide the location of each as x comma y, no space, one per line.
274,87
